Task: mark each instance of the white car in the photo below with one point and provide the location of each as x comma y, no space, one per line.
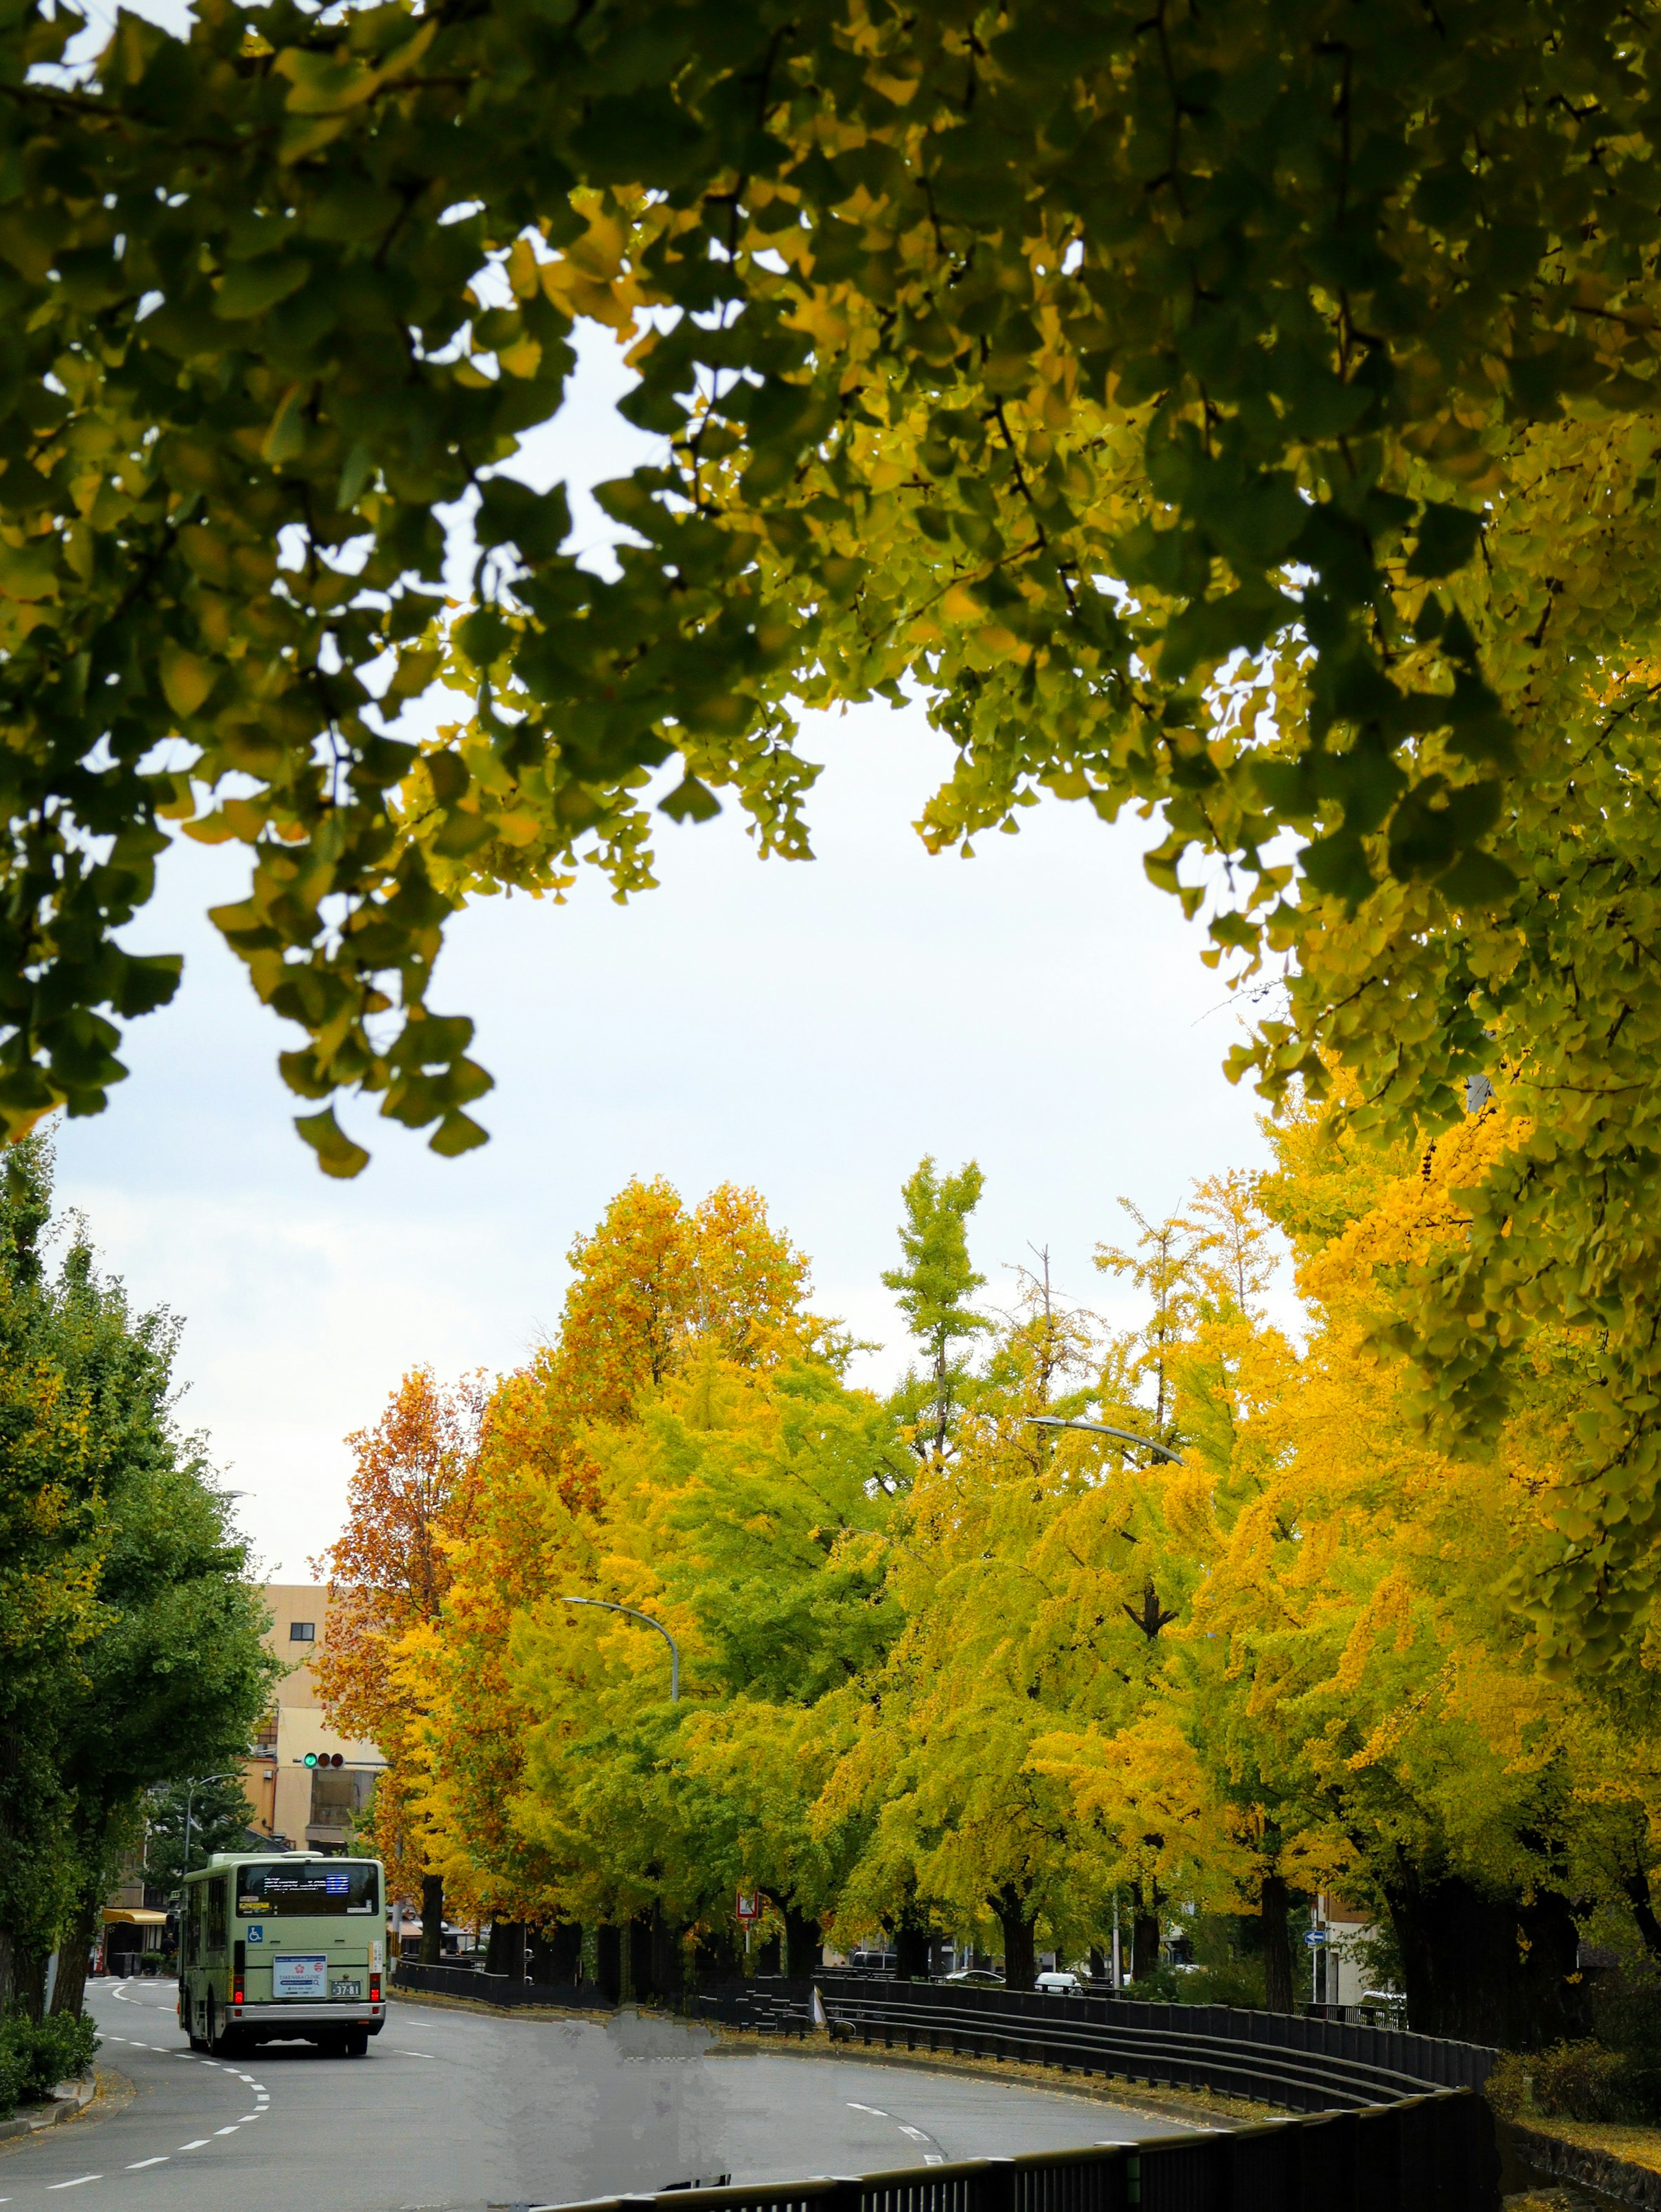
1059,1984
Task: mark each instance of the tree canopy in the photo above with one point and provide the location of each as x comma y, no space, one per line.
1244,413
993,1683
130,1651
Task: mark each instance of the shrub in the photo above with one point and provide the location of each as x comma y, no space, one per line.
1580,2081
36,2055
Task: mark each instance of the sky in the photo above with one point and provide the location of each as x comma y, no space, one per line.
809,1029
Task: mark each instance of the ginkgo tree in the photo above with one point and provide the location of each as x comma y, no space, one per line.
413,1489
1244,413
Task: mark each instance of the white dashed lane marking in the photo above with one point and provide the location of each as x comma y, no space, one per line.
77,2183
875,2111
414,2054
139,2164
201,2143
917,2134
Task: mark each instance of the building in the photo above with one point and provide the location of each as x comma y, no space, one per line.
1343,1975
307,1808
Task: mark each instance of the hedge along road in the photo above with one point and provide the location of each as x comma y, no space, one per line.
464,2110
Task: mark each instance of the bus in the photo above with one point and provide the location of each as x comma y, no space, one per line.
274,1947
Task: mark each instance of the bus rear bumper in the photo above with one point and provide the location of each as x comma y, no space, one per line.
360,2015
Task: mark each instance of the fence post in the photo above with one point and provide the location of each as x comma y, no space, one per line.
992,2189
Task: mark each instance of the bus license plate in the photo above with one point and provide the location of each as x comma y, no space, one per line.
345,1990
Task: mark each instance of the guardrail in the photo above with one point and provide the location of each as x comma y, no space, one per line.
1430,2154
1281,2058
496,1989
1311,2065
1386,2121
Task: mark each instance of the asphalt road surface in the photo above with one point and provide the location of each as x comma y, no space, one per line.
463,2111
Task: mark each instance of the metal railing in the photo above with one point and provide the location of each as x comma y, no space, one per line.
496,1989
1385,2121
1279,2058
1429,2153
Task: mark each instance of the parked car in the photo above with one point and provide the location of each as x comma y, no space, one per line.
976,1977
1058,1984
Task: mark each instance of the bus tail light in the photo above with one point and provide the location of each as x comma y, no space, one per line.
374,1988
239,1967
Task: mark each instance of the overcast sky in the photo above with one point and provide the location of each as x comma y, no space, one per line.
810,1028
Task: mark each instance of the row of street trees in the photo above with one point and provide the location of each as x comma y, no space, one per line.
130,1634
945,1667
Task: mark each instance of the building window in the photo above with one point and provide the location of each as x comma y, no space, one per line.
264,1743
302,1632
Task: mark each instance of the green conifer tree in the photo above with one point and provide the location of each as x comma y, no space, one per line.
933,1290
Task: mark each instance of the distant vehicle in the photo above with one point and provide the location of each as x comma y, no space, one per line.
976,1977
280,1947
1059,1984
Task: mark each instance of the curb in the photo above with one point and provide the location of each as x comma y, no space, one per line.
67,2099
1125,2098
1617,2177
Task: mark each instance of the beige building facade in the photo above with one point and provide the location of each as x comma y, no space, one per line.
308,1808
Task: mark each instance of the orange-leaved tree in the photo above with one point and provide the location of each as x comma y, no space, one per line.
654,1284
413,1491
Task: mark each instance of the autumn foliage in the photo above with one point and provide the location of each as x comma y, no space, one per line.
946,1669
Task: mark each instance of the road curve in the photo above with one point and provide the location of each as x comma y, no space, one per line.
460,2111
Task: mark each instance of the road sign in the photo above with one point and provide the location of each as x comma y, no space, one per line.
749,1906
1315,1938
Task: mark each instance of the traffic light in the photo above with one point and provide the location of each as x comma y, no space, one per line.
323,1758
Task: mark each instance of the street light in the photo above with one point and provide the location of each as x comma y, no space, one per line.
607,1605
201,1782
1101,1429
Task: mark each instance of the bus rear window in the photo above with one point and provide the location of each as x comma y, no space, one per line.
313,1889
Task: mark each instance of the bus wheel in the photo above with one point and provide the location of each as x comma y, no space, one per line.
355,2042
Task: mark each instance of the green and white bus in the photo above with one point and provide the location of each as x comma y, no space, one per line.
282,1946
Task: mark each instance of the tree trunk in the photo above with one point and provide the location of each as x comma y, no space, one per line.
554,1955
1637,1886
504,1951
718,1956
1277,1945
69,1989
1018,1921
668,1956
803,1946
1144,1931
608,1963
432,1918
643,1983
565,1953
911,1946
1480,1969
767,1957
29,1983
1097,1963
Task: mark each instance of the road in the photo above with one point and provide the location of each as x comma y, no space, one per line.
458,2112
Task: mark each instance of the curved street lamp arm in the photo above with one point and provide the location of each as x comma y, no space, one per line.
1101,1429
607,1604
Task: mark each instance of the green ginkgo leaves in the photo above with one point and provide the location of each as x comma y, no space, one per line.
1242,413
